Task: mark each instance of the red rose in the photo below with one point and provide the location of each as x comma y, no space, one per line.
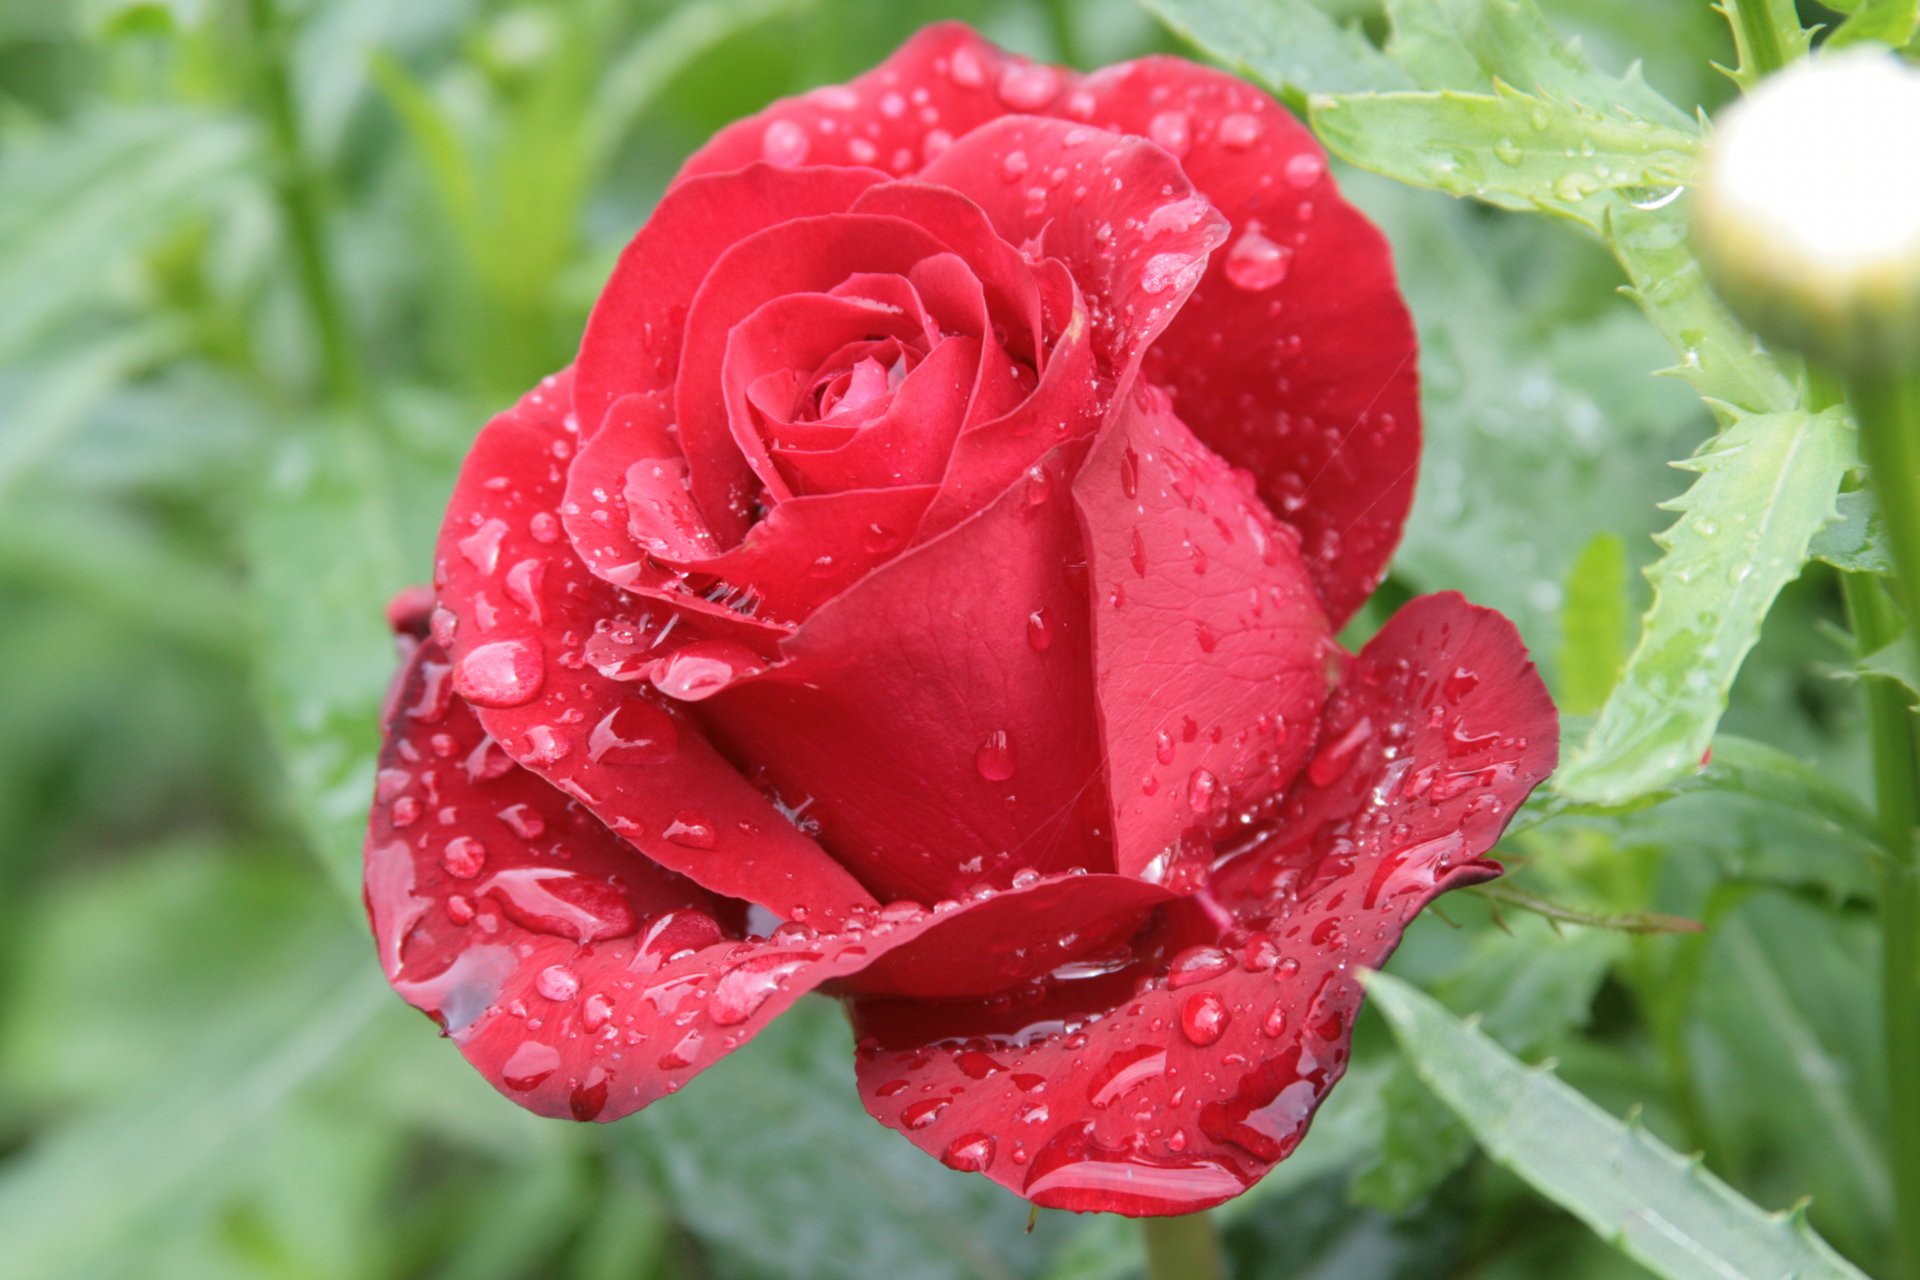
923,588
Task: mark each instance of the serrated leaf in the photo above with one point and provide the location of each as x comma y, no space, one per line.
1507,148
1855,542
1766,486
1476,44
1899,661
1717,356
1594,625
1291,46
1657,1207
1739,767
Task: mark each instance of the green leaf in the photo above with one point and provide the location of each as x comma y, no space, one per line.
1888,22
1666,1212
1742,768
1856,542
1507,148
1477,45
1766,486
1594,622
1718,356
1291,46
1780,1012
1897,660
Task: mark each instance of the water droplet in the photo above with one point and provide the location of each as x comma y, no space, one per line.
923,1113
1172,130
562,903
1129,473
544,526
743,989
697,671
970,1153
635,732
1304,169
1204,1018
994,759
1275,1023
1240,131
464,857
1028,86
965,69
1124,1072
691,829
528,1065
784,143
595,1012
1197,964
558,983
501,673
1202,789
1177,271
1040,630
1508,151
1332,760
523,820
1459,684
1255,262
482,546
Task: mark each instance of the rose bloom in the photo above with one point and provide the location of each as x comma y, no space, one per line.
922,588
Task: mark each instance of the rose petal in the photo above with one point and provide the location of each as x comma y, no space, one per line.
632,340
894,116
938,716
1210,649
1295,357
579,978
1118,211
527,619
1173,1083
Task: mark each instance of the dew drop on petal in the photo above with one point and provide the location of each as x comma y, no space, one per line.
994,759
635,732
528,1065
1255,262
1040,630
1240,131
557,982
1304,169
1204,1018
784,143
969,1153
691,829
501,673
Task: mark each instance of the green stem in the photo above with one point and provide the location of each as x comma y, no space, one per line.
1183,1248
303,207
1887,406
1757,27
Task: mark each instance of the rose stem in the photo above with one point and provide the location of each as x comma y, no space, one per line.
1887,406
303,207
1182,1248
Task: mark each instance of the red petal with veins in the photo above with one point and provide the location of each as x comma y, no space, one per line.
1173,1076
938,716
1295,357
524,617
1210,649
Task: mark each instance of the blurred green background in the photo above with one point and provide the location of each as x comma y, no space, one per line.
266,266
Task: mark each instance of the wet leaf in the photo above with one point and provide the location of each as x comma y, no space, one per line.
1291,46
1766,486
1856,542
1664,1211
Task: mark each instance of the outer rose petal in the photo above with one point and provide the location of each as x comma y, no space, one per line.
526,616
939,714
578,977
1295,356
1215,1046
898,116
1210,649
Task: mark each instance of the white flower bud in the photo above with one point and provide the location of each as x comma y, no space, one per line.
1808,211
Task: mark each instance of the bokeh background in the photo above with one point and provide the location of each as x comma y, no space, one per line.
265,267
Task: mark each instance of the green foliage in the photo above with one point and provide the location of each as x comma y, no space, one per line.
1766,488
1666,1211
1595,622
